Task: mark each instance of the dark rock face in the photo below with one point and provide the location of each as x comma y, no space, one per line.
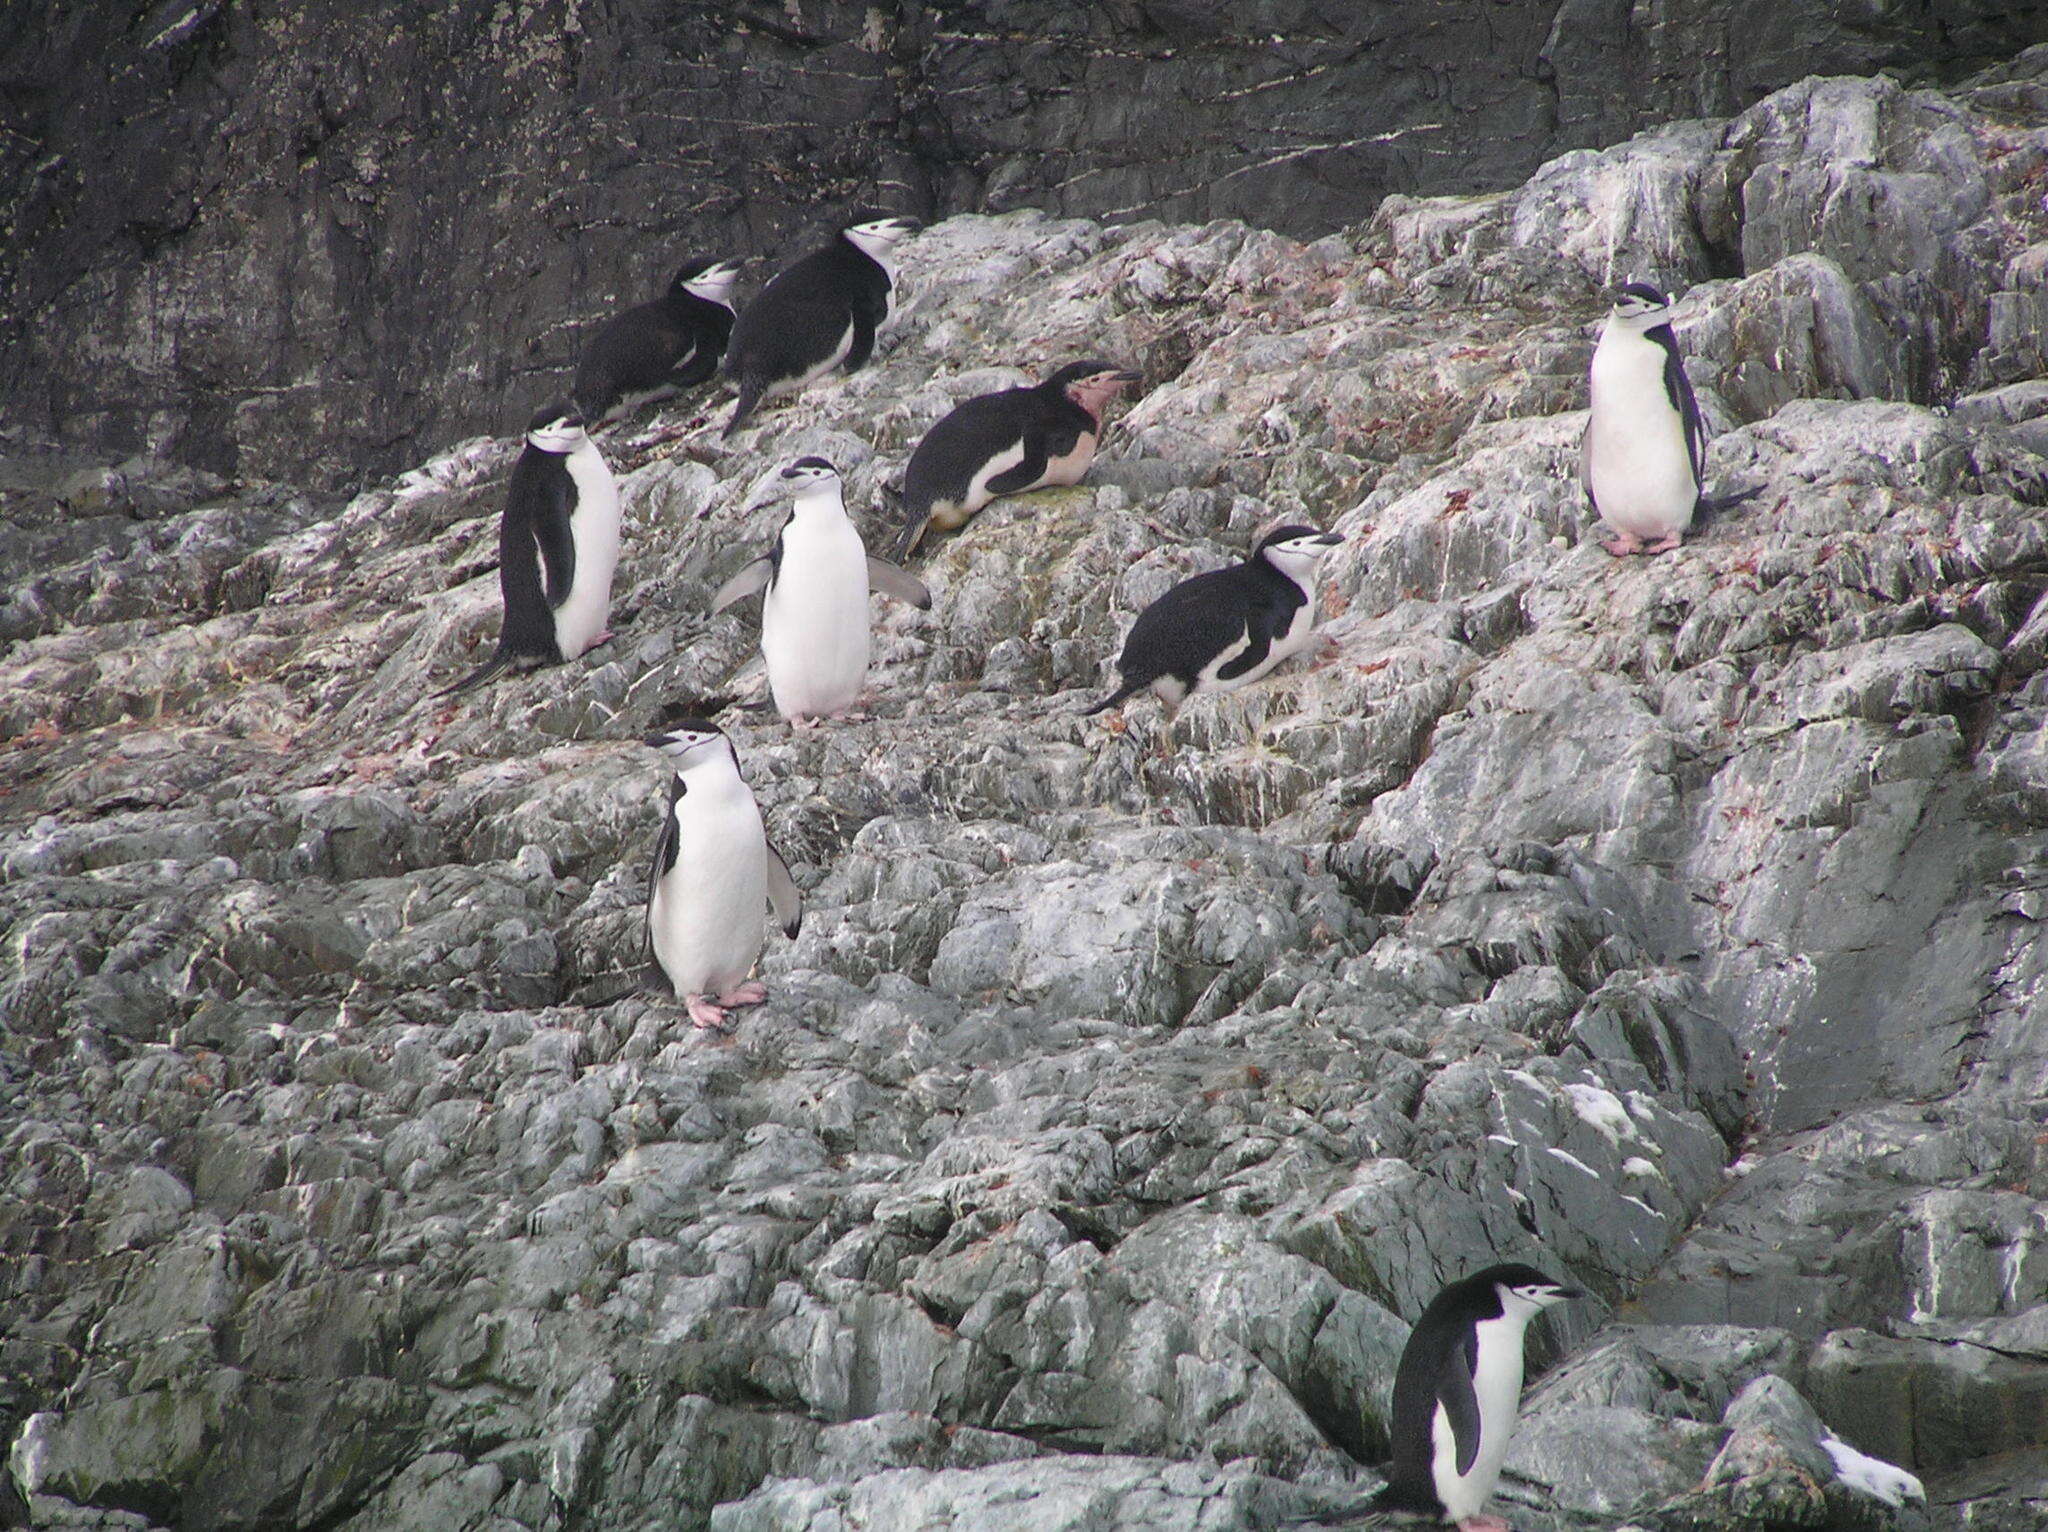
317,242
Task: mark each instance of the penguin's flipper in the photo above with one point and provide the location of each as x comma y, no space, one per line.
554,542
783,897
1678,389
753,576
912,536
1263,624
1460,1400
695,366
1029,469
1586,467
895,580
863,345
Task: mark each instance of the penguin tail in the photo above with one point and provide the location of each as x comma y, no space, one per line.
490,670
750,396
1128,689
1710,507
912,536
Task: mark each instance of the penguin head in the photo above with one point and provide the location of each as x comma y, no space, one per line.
878,236
1640,306
556,427
689,741
706,279
1295,550
808,476
1522,1291
1093,383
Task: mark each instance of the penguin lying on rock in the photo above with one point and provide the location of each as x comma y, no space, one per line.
713,873
1225,629
820,313
657,349
1006,443
814,615
558,543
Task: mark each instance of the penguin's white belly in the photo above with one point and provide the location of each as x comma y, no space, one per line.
814,623
1071,467
594,528
706,914
1639,471
1498,1385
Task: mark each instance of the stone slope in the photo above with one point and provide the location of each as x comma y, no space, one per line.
1134,1081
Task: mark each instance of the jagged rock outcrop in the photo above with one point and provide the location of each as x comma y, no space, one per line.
314,243
1671,923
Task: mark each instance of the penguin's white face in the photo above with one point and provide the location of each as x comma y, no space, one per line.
1640,307
714,282
809,476
1299,553
1525,1300
692,742
563,433
883,235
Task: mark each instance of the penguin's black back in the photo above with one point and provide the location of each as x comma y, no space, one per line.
1201,617
639,349
955,449
1444,1338
536,554
797,319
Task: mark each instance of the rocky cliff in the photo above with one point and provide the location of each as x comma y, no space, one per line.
1674,924
312,241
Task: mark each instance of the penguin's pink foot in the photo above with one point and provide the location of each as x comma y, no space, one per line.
750,993
705,1014
603,638
1483,1524
1662,544
1623,544
803,721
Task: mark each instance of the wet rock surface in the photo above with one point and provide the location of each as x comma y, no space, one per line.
1134,1080
314,244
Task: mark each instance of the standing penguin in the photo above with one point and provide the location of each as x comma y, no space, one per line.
657,349
823,312
558,543
1006,443
814,618
713,870
1225,629
1645,453
1457,1393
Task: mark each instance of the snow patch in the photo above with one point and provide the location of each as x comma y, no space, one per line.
1602,1111
1872,1476
1574,1161
1636,1165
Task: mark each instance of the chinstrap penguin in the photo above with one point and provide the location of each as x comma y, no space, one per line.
1006,443
820,313
660,348
558,543
1225,629
814,615
1458,1391
713,873
1645,454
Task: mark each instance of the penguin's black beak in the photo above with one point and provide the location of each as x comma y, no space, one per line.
656,740
1565,1294
1330,540
908,225
1126,376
